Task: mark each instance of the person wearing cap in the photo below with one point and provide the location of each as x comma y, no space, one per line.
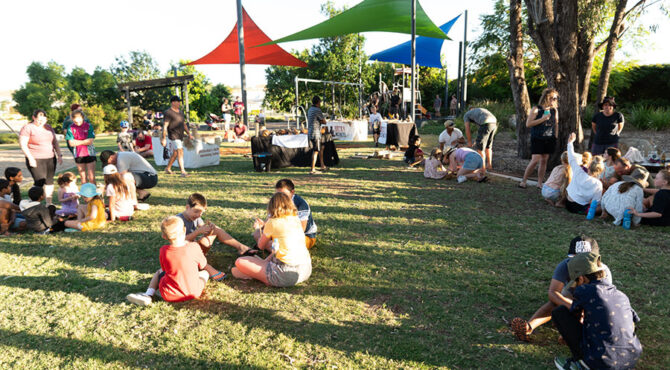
521,328
143,145
606,126
174,126
375,123
606,338
92,216
451,136
626,194
132,163
488,125
124,139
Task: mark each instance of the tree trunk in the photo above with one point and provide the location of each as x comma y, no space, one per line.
612,42
517,76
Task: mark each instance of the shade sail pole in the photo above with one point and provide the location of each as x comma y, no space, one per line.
243,75
465,69
413,84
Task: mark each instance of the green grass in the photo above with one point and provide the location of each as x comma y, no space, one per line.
408,273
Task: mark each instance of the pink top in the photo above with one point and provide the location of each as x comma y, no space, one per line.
556,178
40,140
460,154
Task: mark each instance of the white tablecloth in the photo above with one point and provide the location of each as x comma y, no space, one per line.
291,141
202,154
349,130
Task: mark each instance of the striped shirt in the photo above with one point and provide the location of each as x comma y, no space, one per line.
314,118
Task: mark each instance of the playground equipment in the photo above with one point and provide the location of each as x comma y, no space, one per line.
335,104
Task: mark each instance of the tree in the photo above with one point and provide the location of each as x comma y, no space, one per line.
517,75
138,66
203,97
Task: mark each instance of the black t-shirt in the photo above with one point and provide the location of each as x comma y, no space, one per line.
409,153
395,100
175,121
661,205
544,130
607,127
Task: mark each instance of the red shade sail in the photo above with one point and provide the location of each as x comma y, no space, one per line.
228,51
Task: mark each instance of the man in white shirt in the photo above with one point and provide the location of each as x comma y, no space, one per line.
375,122
451,136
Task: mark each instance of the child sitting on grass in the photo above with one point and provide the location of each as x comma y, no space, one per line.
553,190
8,210
433,167
289,263
657,206
39,217
67,194
587,158
196,205
599,325
90,216
585,186
610,156
121,194
14,176
184,270
414,154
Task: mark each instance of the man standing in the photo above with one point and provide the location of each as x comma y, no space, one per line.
174,125
488,125
314,121
437,104
395,105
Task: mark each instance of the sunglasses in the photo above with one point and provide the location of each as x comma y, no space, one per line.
553,98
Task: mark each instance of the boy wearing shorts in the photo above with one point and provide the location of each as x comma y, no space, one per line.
196,205
184,270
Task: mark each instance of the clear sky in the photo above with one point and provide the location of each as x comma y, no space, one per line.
89,33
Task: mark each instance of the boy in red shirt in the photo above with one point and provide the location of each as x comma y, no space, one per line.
184,270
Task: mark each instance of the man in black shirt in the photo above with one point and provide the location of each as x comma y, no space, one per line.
174,125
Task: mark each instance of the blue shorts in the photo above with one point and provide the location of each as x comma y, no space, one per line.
550,193
17,221
473,161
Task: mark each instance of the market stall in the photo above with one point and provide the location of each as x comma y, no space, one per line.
356,130
396,133
293,150
199,153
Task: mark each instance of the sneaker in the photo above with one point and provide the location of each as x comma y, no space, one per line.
565,363
462,179
140,299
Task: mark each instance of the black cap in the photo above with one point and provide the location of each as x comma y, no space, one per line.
175,98
582,244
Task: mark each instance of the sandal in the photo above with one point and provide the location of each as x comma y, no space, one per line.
219,277
520,328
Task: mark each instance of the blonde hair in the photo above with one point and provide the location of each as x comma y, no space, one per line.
587,157
596,167
436,154
280,206
544,99
171,227
65,178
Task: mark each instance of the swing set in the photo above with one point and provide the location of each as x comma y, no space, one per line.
339,96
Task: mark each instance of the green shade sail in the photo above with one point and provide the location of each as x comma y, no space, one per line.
370,16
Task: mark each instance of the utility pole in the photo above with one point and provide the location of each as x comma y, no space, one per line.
243,75
413,83
458,80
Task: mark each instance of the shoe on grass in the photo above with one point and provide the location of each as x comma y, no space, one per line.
567,363
520,329
140,299
462,179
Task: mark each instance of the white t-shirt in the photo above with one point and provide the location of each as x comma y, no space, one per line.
448,139
124,206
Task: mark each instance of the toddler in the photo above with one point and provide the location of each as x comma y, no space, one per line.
67,195
433,167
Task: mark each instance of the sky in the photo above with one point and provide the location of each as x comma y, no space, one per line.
87,34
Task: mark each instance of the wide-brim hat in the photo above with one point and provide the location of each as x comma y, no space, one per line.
88,190
639,175
609,100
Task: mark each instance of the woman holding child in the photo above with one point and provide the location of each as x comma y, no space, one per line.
289,263
543,123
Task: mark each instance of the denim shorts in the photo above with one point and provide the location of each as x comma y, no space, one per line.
550,193
473,161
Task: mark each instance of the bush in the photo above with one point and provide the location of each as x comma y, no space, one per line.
648,118
503,110
8,138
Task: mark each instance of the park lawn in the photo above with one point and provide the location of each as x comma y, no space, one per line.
407,272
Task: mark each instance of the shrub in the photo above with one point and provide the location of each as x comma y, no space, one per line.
8,138
648,118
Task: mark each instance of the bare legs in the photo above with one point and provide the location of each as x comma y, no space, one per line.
536,159
177,155
250,268
320,155
221,235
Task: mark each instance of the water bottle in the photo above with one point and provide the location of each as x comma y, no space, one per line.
275,244
627,216
592,210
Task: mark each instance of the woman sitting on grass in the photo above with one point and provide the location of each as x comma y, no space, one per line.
467,162
553,190
610,156
121,194
289,263
433,167
625,194
584,187
658,205
92,215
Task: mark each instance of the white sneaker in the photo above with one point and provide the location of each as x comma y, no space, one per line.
462,179
140,299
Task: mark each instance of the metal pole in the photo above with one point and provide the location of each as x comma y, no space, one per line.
297,104
130,108
174,73
465,74
446,89
184,92
413,60
243,75
458,81
360,78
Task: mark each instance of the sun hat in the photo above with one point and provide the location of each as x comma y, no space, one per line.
88,190
607,100
639,175
449,123
582,244
582,264
109,169
125,124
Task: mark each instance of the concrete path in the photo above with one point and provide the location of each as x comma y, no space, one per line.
15,158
